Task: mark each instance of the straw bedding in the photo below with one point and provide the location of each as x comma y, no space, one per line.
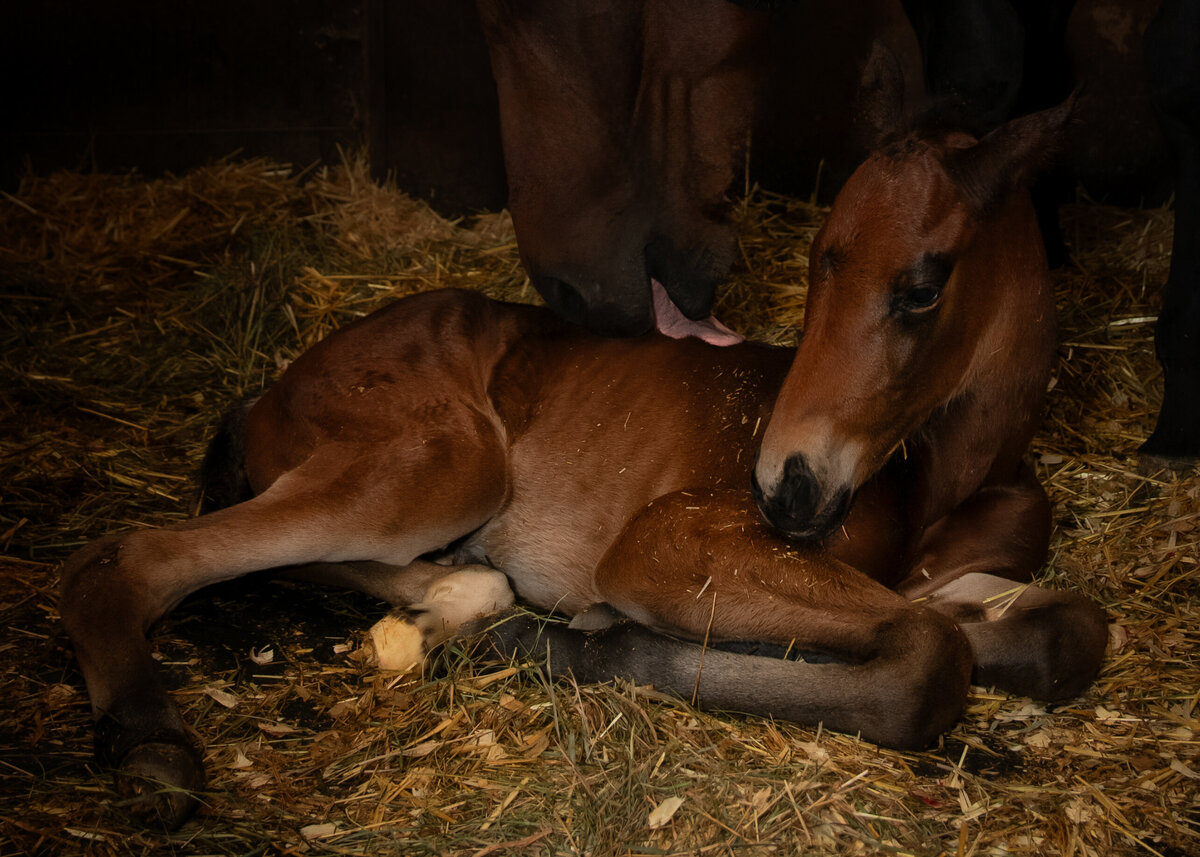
136,311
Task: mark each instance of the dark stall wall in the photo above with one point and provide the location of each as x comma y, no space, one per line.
168,86
434,118
165,86
161,86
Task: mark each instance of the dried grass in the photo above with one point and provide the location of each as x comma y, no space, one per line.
136,310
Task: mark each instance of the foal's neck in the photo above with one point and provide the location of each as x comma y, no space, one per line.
981,435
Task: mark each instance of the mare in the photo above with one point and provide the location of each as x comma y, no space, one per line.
620,124
863,496
1172,46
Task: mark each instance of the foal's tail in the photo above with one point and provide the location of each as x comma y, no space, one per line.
223,471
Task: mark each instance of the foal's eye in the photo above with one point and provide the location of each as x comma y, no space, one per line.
919,289
921,297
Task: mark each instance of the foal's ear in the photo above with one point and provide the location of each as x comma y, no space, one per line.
881,114
1009,157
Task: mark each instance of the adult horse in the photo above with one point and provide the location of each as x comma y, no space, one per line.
620,124
1173,72
799,498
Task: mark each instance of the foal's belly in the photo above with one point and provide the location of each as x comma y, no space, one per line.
566,508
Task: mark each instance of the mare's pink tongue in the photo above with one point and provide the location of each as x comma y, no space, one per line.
670,321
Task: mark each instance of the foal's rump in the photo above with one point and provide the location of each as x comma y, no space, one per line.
419,367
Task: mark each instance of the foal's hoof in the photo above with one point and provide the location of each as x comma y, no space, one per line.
396,643
158,781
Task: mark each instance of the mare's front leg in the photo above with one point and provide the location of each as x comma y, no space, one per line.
1172,50
975,566
345,503
704,567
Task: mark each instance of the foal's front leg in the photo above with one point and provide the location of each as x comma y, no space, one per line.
975,566
704,567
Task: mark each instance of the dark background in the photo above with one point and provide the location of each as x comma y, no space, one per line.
169,86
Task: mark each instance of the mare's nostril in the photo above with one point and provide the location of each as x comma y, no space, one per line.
608,313
563,298
689,278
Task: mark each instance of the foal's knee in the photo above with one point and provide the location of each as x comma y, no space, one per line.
930,675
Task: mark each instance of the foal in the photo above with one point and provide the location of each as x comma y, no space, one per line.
863,496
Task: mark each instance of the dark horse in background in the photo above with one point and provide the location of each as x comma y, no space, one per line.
624,125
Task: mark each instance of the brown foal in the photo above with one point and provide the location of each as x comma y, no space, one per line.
863,496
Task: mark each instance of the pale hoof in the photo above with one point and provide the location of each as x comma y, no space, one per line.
397,644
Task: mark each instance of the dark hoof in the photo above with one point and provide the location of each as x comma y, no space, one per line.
1164,466
158,781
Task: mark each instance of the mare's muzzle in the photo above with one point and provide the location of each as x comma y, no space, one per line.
618,314
798,505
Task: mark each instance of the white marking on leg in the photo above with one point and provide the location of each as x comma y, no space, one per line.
403,638
994,594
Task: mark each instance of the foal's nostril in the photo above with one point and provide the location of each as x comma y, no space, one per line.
795,506
799,490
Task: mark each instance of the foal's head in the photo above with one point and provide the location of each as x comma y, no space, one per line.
922,284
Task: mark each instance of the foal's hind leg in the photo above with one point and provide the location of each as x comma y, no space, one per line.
460,595
431,601
975,566
342,504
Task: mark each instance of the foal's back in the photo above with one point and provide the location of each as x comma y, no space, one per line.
593,429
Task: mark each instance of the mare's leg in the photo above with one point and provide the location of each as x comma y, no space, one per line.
1172,43
343,504
975,565
706,568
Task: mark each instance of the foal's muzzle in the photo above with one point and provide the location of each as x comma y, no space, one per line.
797,504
